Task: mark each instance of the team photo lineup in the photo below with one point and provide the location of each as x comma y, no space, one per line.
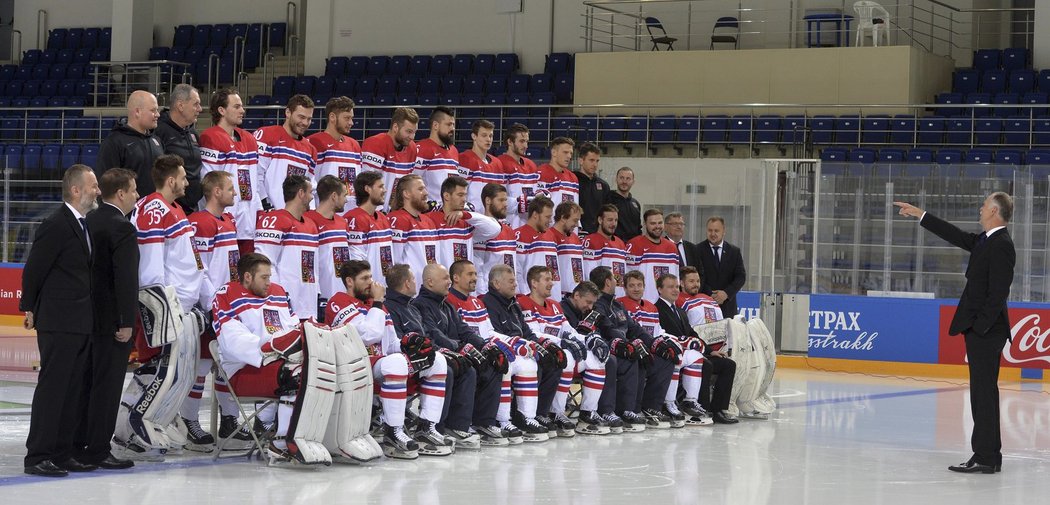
359,300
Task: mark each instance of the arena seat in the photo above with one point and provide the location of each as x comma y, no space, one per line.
1005,99
986,59
891,155
978,156
874,129
484,64
822,129
767,129
958,130
1022,81
714,129
966,80
948,156
1009,157
420,65
919,155
834,154
357,66
1014,58
861,155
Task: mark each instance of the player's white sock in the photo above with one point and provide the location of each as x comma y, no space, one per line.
527,389
593,382
691,376
503,412
191,406
432,390
672,388
392,371
227,406
561,397
285,408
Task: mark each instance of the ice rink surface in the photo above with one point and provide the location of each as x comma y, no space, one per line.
835,439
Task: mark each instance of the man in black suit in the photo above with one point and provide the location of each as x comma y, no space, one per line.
981,317
115,283
717,365
688,254
56,299
723,267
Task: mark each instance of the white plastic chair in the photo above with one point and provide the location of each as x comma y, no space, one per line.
871,16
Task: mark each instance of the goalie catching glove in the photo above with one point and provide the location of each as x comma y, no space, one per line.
287,346
419,350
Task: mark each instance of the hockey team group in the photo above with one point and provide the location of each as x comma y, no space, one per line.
402,298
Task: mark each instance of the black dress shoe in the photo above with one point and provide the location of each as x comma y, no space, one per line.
723,418
72,465
46,469
113,463
975,467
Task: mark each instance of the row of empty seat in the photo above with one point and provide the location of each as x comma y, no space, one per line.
45,161
1038,99
35,57
224,34
69,128
440,65
942,156
1011,58
79,38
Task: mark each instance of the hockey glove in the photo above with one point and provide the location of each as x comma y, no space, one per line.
575,348
476,358
599,347
667,348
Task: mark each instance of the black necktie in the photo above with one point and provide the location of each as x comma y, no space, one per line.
681,254
87,236
981,239
718,260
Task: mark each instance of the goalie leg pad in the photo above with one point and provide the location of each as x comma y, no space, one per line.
133,430
161,314
313,402
347,435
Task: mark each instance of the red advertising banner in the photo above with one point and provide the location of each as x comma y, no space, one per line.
1029,347
10,290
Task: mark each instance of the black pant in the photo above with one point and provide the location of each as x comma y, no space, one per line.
653,384
621,386
103,382
54,417
983,355
721,371
549,379
486,398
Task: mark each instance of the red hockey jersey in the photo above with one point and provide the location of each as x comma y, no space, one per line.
379,153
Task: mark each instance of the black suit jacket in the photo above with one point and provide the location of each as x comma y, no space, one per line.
982,306
729,275
692,256
673,319
56,280
115,272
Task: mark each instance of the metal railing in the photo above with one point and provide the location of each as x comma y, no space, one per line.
620,25
291,21
115,80
16,46
41,29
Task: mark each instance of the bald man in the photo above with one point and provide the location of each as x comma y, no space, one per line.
131,144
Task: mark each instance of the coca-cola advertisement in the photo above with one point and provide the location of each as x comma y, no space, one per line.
1029,346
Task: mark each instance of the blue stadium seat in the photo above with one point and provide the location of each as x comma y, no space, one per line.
947,99
1022,81
688,130
541,83
793,129
1009,156
48,56
875,129
986,59
557,63
12,157
1041,135
408,84
344,86
158,53
420,65
563,87
1015,58
473,85
484,63
31,57
506,64
948,156
1035,98
386,85
1044,80
1016,131
588,128
336,66
277,34
539,130
834,154
537,153
861,155
99,54
441,64
987,131
1038,157
542,99
714,129
284,86
324,86
1005,99
366,86
740,129
515,103
978,99
462,64
398,65
993,81
958,130
517,84
930,131
663,129
978,156
91,39
767,129
201,36
89,154
563,126
966,80
70,155
822,129
452,85
40,72
357,66
183,36
220,34
847,130
384,99
427,85
56,39
31,158
612,129
51,159
410,99
891,155
73,39
919,155
496,84
377,65
31,88
638,130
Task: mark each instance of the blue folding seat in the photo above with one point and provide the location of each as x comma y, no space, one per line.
473,85
451,85
441,64
740,129
484,63
588,126
557,63
767,129
31,88
70,155
612,129
874,129
336,66
637,130
663,129
1009,157
861,155
31,158
357,66
506,64
1015,58
40,72
496,102
1041,131
978,156
220,34
344,86
366,86
1044,80
409,99
978,99
1035,98
386,85
420,65
496,84
958,130
847,130
201,36
919,155
516,103
537,153
48,88
48,57
284,86
7,72
56,39
56,101
158,53
542,99
987,131
324,86
89,154
239,30
277,34
517,84
948,156
822,129
714,129
98,54
930,131
563,87
834,154
793,129
377,65
562,126
1005,99
73,39
398,65
408,85
1022,81
1038,157
947,99
688,130
462,64
183,36
993,81
428,84
1017,130
541,83
51,159
384,99
966,80
891,155
91,39
986,59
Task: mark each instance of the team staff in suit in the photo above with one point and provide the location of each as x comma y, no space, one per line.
723,267
981,317
56,299
115,283
688,254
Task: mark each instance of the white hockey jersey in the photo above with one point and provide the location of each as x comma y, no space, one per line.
479,173
570,261
291,244
456,242
415,241
373,324
498,250
338,157
522,181
371,239
379,153
435,163
166,253
280,155
534,249
243,322
333,249
653,259
599,251
215,240
239,157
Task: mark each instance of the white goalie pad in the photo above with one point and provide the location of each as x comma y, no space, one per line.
754,400
744,356
713,333
313,402
156,392
161,314
347,436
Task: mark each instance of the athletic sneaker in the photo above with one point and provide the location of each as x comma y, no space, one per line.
491,436
464,439
566,427
510,432
532,430
590,423
614,423
656,419
431,442
397,444
197,439
633,422
676,416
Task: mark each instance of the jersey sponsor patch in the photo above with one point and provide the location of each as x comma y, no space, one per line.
552,263
340,255
459,251
431,253
272,321
618,270
577,269
233,257
308,267
386,259
297,170
244,184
